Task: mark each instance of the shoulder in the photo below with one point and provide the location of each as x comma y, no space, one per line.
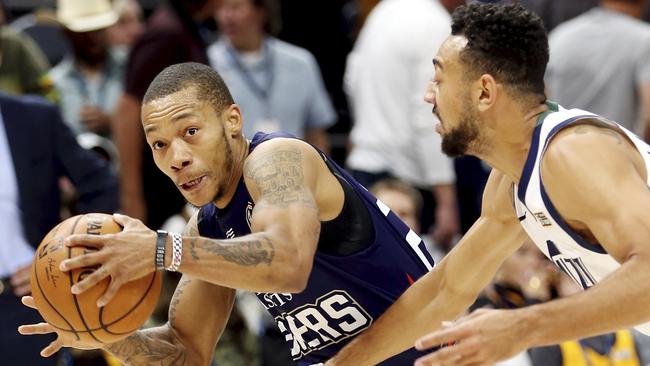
281,149
28,103
291,53
575,146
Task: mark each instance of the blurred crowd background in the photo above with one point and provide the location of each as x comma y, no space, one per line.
348,76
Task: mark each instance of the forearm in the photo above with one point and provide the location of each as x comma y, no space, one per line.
413,315
618,302
252,262
154,346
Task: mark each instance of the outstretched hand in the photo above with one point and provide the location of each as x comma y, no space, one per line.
481,338
124,256
62,339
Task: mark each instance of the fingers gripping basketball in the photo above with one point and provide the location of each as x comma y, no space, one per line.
77,316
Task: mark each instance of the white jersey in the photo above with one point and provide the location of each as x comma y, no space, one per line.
584,262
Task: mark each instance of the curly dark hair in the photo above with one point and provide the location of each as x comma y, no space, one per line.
508,42
209,85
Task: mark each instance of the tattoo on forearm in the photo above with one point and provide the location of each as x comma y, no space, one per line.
279,178
193,253
156,347
176,299
582,129
243,252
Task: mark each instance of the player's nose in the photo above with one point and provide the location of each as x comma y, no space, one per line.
430,94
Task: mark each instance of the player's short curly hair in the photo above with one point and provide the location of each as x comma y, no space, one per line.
209,85
505,41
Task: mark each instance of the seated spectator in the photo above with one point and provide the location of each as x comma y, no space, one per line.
406,202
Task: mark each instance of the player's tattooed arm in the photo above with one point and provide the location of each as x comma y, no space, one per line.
279,178
156,346
249,251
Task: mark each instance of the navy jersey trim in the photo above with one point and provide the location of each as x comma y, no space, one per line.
528,166
532,154
596,248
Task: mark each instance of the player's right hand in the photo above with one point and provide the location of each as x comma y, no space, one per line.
45,328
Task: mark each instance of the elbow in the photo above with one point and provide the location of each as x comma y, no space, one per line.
294,276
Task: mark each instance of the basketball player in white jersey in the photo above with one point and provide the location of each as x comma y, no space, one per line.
575,183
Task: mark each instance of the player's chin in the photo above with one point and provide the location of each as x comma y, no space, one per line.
199,197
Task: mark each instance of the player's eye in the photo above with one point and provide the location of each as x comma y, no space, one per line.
157,145
191,131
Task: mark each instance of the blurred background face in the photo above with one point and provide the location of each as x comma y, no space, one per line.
129,26
89,47
402,205
240,20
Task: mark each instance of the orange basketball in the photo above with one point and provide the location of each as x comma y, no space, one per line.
78,316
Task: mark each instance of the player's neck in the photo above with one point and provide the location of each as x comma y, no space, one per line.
240,153
509,145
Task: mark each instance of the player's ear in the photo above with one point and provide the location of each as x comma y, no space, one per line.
487,91
233,121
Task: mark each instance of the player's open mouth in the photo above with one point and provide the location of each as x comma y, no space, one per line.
193,184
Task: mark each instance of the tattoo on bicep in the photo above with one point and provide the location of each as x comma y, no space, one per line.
156,347
280,178
243,252
583,129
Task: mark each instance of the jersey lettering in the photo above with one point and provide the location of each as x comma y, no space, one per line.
572,266
335,316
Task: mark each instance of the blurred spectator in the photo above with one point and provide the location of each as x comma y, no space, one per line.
406,202
123,34
89,79
173,35
393,133
36,149
599,61
41,26
612,349
525,278
277,85
23,67
554,12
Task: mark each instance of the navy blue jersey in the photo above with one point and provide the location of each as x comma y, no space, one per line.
344,293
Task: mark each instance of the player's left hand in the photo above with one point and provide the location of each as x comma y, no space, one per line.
481,338
124,256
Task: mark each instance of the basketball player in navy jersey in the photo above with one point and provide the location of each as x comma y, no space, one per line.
277,217
574,182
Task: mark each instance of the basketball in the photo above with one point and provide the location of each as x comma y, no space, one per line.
78,316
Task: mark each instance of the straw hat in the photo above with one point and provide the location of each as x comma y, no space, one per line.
86,15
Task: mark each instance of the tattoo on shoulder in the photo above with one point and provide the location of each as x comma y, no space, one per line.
585,128
249,252
279,177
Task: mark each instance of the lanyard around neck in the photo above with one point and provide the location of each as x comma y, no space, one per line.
262,91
